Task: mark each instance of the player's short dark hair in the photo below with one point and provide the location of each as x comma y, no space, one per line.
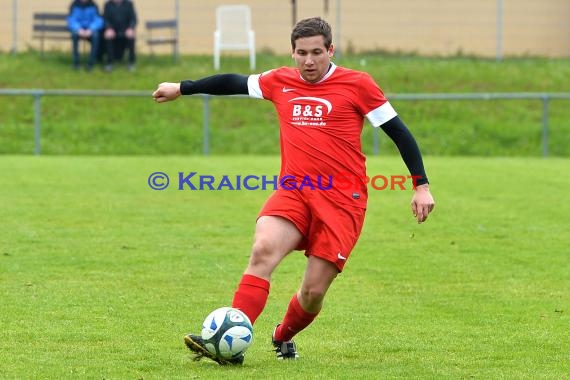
310,27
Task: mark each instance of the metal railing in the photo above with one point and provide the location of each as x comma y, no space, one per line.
37,95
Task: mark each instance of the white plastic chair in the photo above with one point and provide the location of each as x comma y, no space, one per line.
233,32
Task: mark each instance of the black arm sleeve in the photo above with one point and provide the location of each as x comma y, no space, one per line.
399,133
220,84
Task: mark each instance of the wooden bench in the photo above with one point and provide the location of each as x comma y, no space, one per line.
53,26
50,26
163,32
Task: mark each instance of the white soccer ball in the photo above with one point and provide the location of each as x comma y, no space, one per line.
227,332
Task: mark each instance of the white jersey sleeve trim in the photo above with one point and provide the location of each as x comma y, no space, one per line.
253,87
382,114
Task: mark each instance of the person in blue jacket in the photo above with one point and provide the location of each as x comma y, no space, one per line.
85,22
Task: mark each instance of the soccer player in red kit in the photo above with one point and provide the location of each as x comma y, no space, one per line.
321,109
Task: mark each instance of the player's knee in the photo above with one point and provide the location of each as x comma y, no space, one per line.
312,295
261,251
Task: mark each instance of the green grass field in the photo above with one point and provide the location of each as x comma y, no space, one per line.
136,126
100,276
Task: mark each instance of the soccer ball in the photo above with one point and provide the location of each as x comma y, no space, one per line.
227,332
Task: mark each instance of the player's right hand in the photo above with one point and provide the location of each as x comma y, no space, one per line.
166,92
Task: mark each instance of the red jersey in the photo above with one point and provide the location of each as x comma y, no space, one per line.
321,125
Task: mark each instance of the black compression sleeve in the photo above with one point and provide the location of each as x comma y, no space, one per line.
220,84
399,133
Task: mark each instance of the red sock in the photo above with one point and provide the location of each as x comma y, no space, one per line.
295,320
251,296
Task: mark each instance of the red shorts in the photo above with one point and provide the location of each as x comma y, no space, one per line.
330,229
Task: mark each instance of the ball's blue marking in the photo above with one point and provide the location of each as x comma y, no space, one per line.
229,339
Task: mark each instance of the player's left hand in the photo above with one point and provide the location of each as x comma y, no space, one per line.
422,203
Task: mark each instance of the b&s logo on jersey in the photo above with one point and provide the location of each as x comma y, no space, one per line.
310,111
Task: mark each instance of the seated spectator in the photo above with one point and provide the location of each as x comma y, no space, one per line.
120,22
84,22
